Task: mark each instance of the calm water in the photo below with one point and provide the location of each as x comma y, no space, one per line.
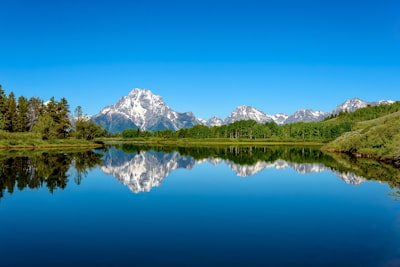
143,206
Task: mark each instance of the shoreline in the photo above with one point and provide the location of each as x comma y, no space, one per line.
392,159
49,146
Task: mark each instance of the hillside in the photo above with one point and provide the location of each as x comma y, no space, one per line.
372,135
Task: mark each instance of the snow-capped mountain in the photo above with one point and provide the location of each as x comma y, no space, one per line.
307,115
247,113
214,121
279,118
383,102
302,115
352,105
144,110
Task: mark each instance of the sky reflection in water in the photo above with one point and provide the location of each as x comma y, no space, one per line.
290,211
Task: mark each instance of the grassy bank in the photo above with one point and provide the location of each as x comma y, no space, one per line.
33,141
378,138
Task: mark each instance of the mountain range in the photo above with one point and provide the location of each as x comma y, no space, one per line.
143,110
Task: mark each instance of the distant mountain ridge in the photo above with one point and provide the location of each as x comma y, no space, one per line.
143,110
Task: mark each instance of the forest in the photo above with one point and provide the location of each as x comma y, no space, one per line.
49,120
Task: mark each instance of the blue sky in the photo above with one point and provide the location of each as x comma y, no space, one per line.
202,56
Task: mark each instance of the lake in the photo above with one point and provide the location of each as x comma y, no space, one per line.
197,206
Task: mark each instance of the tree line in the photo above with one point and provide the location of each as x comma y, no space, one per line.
251,130
51,119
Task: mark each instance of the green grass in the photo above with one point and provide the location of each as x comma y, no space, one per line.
32,140
379,138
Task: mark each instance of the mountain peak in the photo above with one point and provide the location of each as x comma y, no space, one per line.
214,121
307,115
139,92
144,110
350,105
247,113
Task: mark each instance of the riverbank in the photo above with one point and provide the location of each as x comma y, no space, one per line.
388,159
9,141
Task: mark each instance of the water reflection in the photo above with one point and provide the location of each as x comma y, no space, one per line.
20,170
142,168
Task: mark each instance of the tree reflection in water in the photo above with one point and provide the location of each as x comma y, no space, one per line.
143,167
44,169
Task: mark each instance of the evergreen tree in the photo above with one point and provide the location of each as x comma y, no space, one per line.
3,101
10,113
21,124
63,123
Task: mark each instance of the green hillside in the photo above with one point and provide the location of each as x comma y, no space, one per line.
376,133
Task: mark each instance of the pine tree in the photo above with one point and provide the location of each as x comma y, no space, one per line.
3,102
62,120
21,124
10,113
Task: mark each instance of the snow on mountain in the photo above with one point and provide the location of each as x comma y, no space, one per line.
352,105
144,110
214,121
384,102
247,113
279,118
302,115
307,115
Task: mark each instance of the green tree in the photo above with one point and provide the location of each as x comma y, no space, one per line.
21,124
45,126
3,101
61,118
10,113
88,130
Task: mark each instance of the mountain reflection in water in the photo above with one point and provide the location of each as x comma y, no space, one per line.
141,168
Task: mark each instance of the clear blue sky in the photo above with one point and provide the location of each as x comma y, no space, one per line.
202,56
